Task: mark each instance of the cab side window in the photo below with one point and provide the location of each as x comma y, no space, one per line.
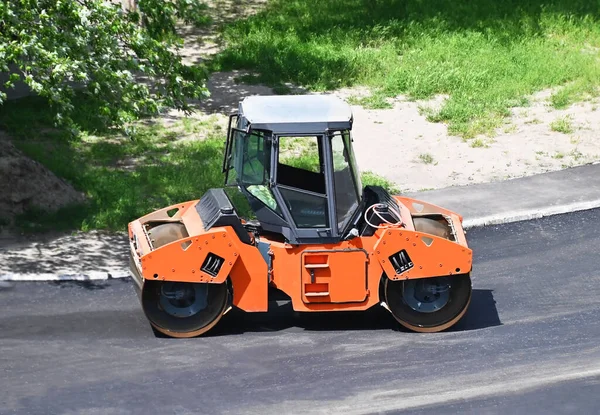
299,163
301,180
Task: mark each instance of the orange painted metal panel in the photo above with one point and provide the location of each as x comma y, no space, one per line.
432,256
334,276
288,274
192,221
162,215
181,260
417,207
249,278
136,232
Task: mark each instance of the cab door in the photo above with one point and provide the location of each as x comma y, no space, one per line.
334,276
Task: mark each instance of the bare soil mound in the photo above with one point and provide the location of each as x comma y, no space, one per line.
27,185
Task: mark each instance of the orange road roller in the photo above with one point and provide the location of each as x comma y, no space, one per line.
294,218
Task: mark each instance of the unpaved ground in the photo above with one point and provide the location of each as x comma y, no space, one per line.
26,184
202,42
401,145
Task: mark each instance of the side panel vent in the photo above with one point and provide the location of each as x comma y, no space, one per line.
212,206
212,264
215,209
401,261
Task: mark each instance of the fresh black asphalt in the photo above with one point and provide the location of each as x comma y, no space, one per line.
530,343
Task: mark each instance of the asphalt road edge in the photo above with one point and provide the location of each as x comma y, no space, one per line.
529,214
90,276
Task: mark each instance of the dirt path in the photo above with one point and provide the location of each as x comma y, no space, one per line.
401,145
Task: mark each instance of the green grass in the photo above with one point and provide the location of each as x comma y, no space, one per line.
562,125
426,158
368,178
488,56
575,91
375,101
122,177
576,154
480,142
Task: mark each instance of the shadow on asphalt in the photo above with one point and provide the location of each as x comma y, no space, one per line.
91,285
482,313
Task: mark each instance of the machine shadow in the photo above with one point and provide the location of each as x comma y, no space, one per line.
482,313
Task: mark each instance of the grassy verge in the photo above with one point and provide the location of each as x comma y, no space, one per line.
122,177
486,55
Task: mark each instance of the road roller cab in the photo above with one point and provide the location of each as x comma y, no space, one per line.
302,223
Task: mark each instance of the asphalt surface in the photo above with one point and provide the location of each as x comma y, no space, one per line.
530,343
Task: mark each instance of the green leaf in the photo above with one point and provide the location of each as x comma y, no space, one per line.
93,47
